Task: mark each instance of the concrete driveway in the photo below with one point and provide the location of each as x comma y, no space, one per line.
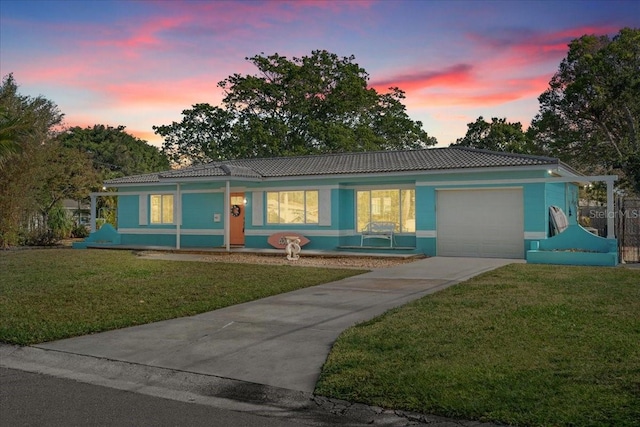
281,341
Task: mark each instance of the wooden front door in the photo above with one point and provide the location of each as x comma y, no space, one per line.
236,223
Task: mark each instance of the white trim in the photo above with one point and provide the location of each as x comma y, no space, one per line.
482,187
515,181
610,214
92,224
257,208
227,216
137,184
171,230
535,235
324,207
183,232
202,232
580,179
426,234
306,209
324,233
399,188
554,167
204,191
299,188
161,193
200,179
177,215
365,187
143,209
122,193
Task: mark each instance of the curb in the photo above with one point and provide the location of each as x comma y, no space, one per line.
235,395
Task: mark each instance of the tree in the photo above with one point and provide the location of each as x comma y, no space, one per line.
39,173
63,173
499,135
314,104
590,114
205,133
114,152
23,120
9,128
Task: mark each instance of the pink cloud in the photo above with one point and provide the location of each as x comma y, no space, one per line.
532,46
164,93
222,18
481,94
452,76
507,66
141,35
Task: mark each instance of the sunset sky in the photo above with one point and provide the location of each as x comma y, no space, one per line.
140,63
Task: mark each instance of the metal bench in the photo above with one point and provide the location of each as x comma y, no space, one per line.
379,230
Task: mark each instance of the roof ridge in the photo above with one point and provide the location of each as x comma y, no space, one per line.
346,153
505,153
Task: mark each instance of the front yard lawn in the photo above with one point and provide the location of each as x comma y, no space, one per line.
51,294
527,345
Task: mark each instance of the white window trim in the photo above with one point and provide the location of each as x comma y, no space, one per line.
305,205
164,193
399,188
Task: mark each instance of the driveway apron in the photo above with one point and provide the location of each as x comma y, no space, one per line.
280,341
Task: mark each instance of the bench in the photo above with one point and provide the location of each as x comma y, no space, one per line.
379,230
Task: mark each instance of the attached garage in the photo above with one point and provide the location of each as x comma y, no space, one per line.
486,223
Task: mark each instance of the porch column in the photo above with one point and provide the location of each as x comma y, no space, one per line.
179,215
92,223
227,217
610,210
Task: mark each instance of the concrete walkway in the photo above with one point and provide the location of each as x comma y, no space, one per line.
281,341
261,357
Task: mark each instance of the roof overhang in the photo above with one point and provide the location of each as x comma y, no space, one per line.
560,172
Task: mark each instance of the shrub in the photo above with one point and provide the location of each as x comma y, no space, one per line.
39,237
60,222
80,232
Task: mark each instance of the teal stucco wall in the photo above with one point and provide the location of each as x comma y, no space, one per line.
203,209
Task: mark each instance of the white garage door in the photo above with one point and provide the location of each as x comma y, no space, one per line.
480,223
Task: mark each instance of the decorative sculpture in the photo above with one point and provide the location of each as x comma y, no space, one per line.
293,248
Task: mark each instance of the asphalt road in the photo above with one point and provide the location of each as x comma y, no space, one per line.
29,399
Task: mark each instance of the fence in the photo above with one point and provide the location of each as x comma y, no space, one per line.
627,225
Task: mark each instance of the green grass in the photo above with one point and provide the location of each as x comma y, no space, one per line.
58,293
525,345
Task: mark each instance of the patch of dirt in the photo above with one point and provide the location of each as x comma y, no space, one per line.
356,262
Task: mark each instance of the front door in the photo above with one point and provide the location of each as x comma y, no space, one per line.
236,224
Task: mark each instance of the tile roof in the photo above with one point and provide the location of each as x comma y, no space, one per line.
347,163
135,179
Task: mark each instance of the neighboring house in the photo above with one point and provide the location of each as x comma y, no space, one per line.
78,210
443,201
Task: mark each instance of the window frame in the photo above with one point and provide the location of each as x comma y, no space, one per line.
306,209
400,190
161,207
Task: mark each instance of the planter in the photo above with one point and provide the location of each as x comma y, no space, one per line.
574,246
608,259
